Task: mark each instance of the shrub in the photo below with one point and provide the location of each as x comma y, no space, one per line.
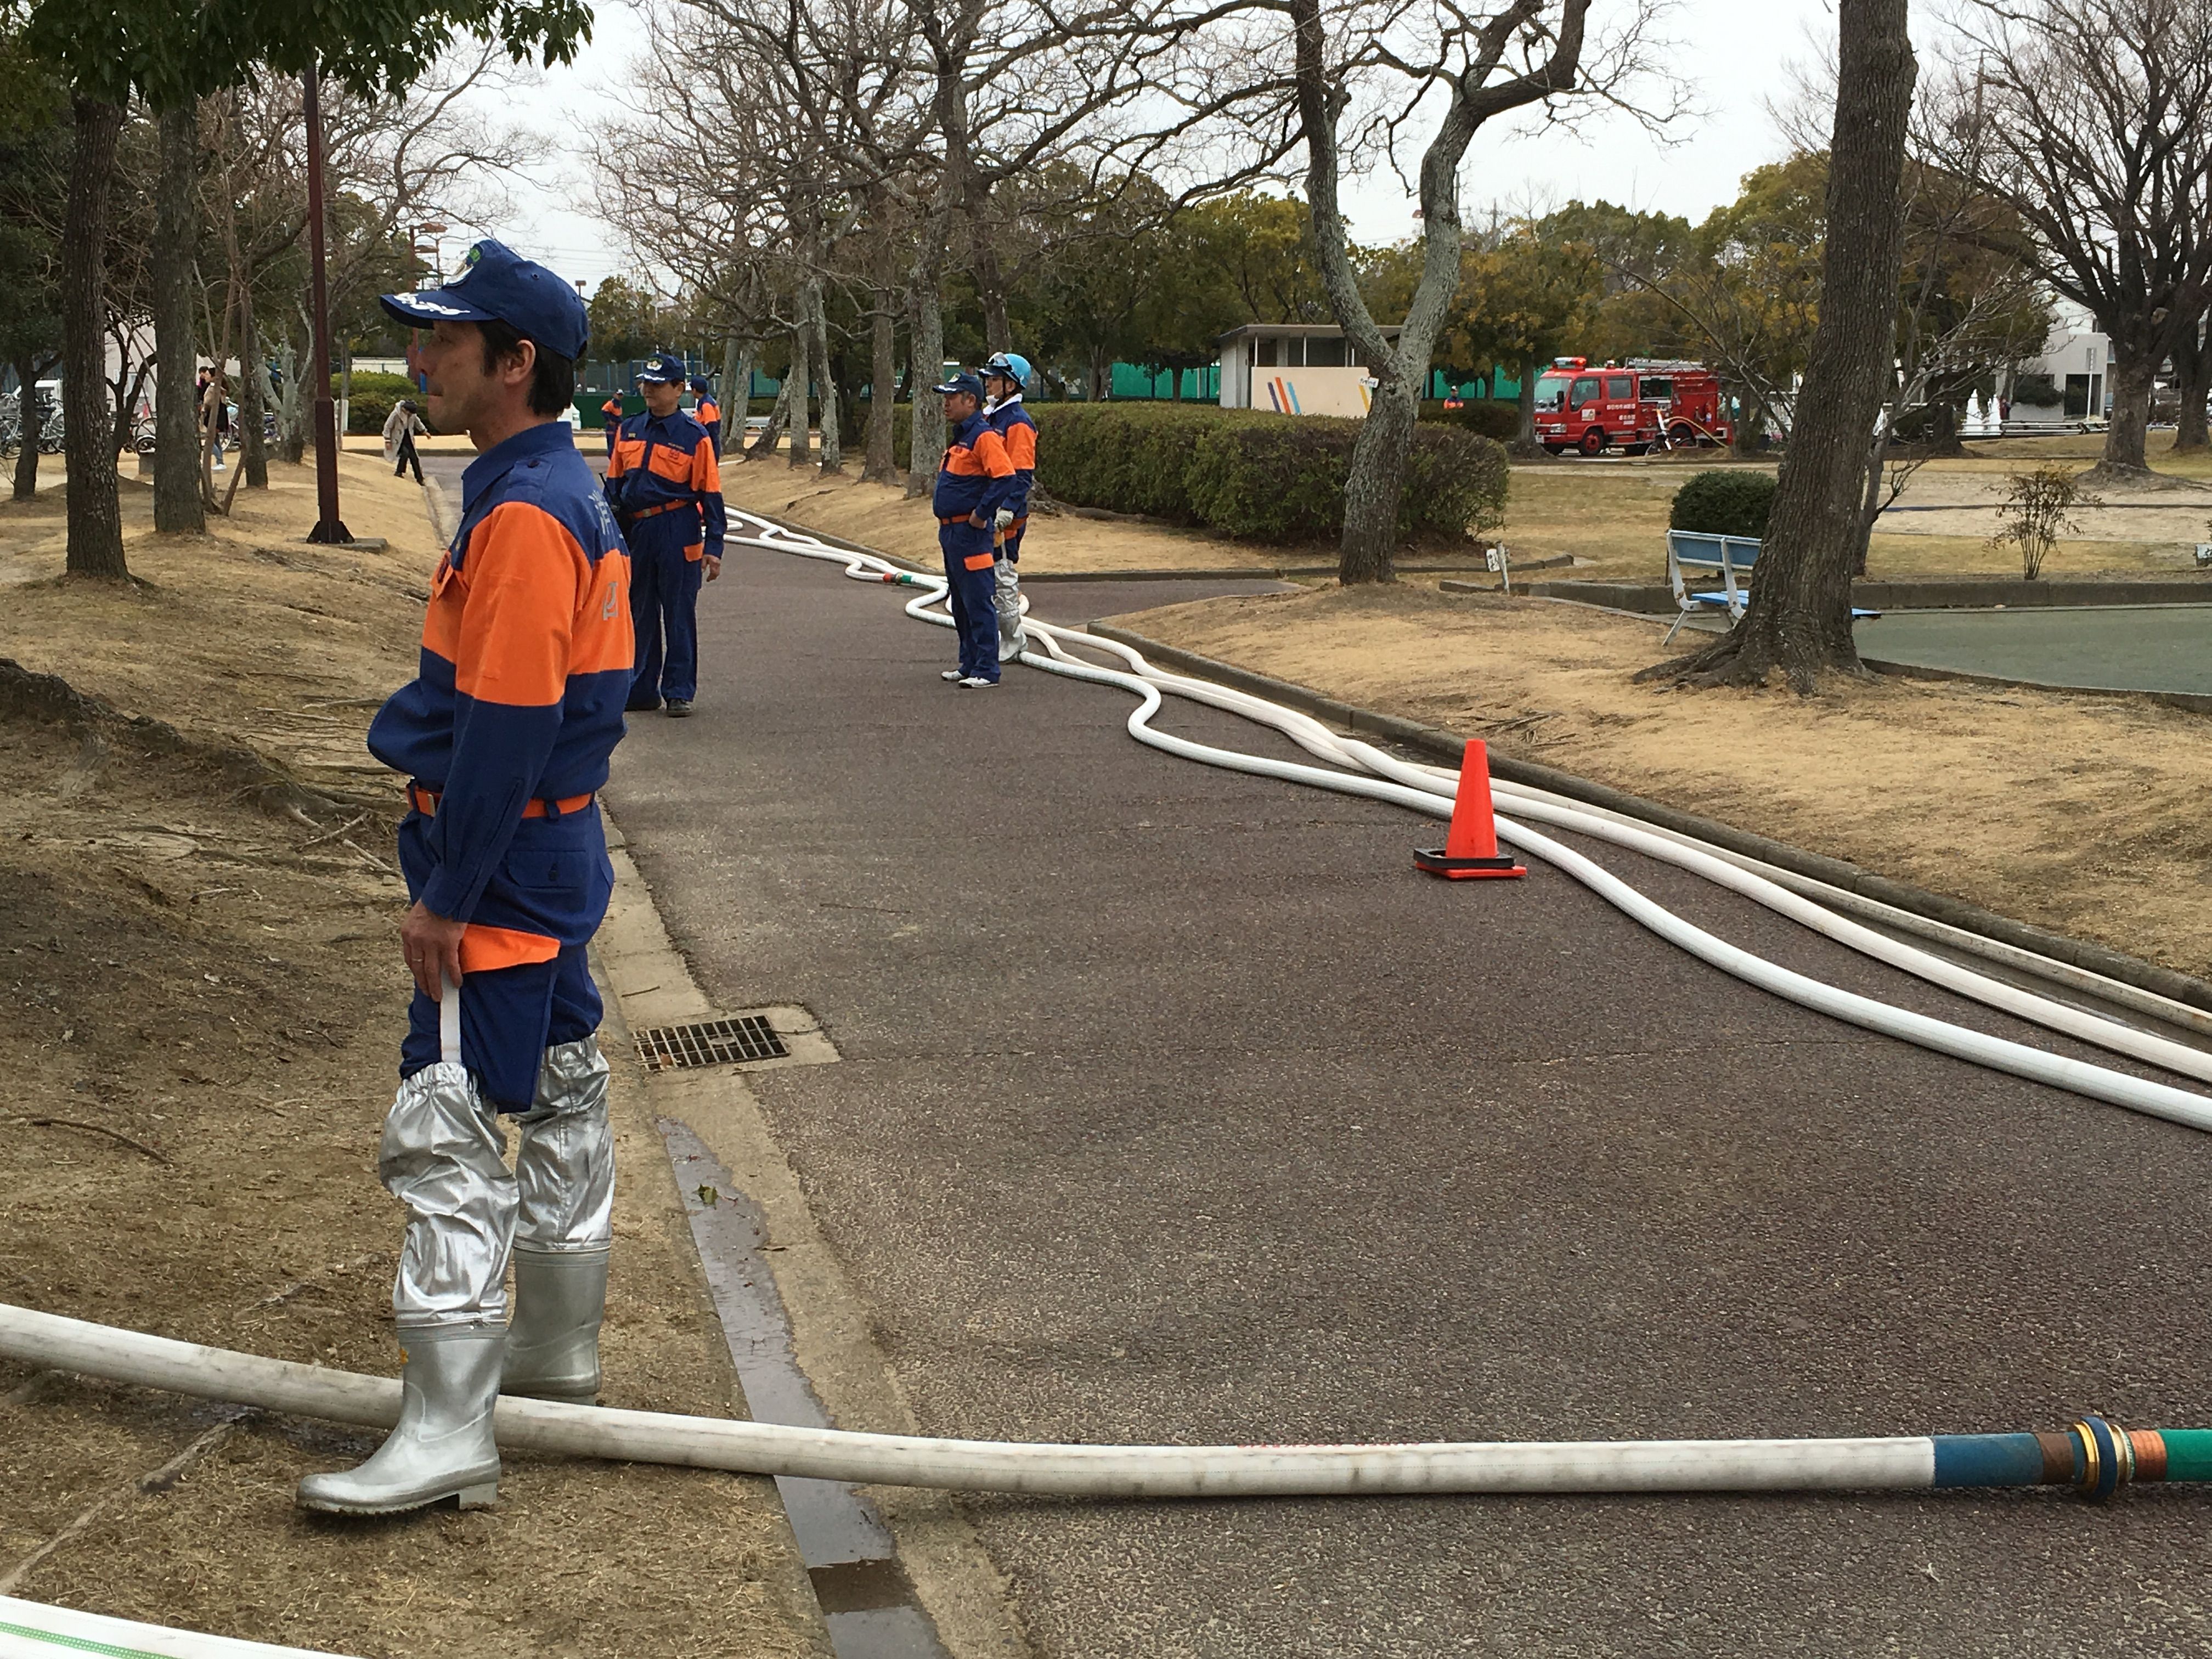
375,393
1280,479
1724,503
1127,457
1484,416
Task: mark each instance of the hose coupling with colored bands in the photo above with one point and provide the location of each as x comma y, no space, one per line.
2108,1458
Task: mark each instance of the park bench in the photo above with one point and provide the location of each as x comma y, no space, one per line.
1732,557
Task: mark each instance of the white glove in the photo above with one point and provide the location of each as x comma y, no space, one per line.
1005,517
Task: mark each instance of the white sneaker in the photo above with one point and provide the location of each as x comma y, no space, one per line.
975,683
950,674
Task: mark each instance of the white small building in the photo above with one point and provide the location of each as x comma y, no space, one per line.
2069,382
1294,368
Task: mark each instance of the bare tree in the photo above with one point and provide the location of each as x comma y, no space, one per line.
1800,616
2094,120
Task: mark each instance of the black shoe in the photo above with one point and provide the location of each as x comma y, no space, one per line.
642,708
679,708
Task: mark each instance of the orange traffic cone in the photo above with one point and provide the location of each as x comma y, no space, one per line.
1470,848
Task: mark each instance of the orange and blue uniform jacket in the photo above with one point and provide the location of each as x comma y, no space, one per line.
709,415
977,477
1019,434
665,465
518,702
611,420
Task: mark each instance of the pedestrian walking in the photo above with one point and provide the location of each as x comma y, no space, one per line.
664,484
399,429
1004,379
708,413
504,736
214,415
972,486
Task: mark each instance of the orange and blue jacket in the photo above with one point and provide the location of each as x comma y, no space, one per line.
1019,434
666,465
709,415
526,663
978,475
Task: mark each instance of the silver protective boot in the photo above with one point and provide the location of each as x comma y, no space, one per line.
1006,593
443,1156
443,1445
565,1173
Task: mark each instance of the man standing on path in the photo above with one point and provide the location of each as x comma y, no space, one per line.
1003,377
666,487
973,485
505,735
709,414
610,418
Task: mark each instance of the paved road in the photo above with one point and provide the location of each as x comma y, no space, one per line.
1176,1106
2111,647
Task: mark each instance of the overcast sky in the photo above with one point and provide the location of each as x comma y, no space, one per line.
1734,54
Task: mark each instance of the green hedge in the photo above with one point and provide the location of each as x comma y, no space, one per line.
373,395
1255,476
1486,415
1731,503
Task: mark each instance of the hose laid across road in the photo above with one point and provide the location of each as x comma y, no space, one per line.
2092,1455
1431,790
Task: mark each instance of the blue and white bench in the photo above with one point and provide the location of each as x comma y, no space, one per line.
1732,558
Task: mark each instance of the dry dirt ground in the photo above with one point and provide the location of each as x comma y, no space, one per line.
198,937
2084,815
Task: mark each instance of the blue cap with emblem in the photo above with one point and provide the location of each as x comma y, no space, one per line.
962,382
664,368
497,284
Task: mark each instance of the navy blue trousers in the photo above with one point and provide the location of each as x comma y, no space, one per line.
974,606
553,885
664,607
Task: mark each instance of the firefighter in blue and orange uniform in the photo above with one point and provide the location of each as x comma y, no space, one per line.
1003,377
610,418
973,485
505,735
708,413
666,486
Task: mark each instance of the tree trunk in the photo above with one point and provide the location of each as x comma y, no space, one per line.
2192,384
926,353
881,465
1373,484
1870,504
1800,616
1528,402
2131,371
1096,385
833,448
26,458
800,379
95,517
1750,436
253,452
291,408
777,415
176,506
736,403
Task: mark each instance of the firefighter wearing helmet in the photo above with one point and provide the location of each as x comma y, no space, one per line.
1003,377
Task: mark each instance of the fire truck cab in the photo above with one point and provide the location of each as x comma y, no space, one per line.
1637,406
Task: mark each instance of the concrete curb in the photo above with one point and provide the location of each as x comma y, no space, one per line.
2195,703
1443,746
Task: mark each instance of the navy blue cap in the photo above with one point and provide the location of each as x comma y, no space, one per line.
963,382
497,284
663,369
699,384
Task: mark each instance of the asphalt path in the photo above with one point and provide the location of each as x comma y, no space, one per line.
1175,1106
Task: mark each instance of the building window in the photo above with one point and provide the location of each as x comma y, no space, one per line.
1325,353
2077,397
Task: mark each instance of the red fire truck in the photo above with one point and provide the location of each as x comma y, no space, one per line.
1642,404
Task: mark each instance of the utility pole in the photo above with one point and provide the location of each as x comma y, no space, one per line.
328,527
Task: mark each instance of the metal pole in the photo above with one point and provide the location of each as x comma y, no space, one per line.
328,527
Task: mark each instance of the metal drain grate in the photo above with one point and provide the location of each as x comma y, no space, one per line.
711,1042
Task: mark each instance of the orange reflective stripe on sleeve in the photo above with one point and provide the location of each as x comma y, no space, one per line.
1021,447
486,950
441,620
978,561
991,454
706,470
526,575
604,641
